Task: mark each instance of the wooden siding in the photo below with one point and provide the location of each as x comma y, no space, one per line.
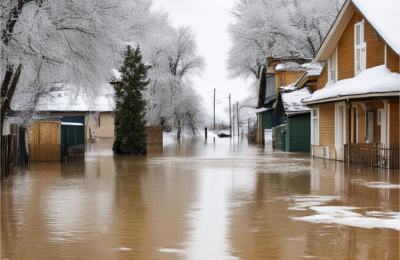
323,79
299,133
392,60
285,78
106,128
327,125
361,124
45,141
375,48
394,121
259,128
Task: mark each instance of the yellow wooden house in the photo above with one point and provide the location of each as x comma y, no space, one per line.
355,108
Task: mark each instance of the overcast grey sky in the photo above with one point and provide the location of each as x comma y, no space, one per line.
209,18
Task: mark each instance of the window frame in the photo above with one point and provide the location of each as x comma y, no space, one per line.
312,126
335,55
362,46
379,115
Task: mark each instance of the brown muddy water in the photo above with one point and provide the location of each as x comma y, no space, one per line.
199,200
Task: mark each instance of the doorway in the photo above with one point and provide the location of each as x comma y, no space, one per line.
340,130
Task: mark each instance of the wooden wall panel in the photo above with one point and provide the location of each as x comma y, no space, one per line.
394,121
323,79
361,124
375,48
327,125
285,78
392,60
45,141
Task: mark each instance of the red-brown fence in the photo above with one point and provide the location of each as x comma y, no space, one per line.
375,155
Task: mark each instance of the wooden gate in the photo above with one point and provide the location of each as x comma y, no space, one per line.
45,141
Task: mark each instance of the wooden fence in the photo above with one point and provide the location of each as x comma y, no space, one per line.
375,155
9,155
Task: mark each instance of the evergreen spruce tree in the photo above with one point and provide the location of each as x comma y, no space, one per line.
130,109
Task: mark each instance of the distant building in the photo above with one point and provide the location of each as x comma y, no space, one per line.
74,105
294,133
278,72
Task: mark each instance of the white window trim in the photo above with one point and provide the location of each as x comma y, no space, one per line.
385,54
356,125
380,114
362,45
312,126
330,80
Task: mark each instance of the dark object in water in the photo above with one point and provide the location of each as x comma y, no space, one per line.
224,135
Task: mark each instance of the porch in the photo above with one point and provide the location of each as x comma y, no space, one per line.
373,154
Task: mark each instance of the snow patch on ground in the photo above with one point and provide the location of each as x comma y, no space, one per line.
376,184
343,215
305,202
124,249
170,250
382,185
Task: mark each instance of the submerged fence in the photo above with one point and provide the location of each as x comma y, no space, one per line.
9,156
375,155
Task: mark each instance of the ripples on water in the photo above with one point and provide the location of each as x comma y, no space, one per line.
200,200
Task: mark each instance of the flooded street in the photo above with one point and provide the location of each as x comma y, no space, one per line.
200,200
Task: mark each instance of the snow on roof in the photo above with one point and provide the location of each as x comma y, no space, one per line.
117,75
72,124
374,80
67,97
292,99
384,16
260,110
295,66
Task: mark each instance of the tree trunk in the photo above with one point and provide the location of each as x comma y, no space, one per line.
178,136
7,91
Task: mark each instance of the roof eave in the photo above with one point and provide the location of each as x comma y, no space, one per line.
360,96
335,33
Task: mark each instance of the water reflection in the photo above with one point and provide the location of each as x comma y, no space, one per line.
197,199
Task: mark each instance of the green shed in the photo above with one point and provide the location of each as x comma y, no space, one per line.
295,134
72,135
268,120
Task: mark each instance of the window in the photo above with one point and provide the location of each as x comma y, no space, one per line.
380,114
360,48
332,67
270,88
315,126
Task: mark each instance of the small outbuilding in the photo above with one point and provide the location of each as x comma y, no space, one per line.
294,134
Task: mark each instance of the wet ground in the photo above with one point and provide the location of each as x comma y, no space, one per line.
199,200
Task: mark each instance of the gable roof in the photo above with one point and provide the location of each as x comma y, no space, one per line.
69,98
290,100
383,15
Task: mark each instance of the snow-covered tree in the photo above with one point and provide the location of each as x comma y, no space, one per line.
172,100
44,41
277,28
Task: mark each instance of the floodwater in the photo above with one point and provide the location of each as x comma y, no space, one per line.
200,200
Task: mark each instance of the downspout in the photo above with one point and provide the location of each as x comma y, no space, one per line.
349,135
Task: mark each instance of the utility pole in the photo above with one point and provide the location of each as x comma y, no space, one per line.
230,116
237,111
214,109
